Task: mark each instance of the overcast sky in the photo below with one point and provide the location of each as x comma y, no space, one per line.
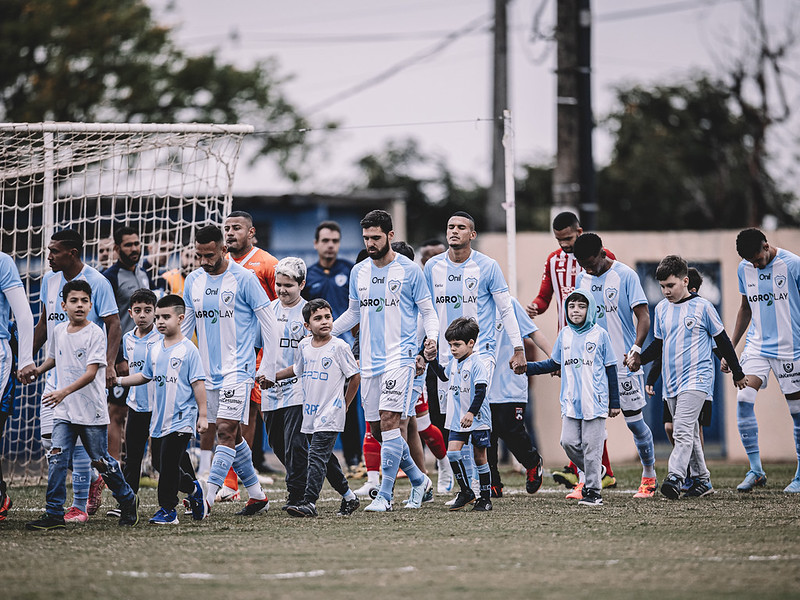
332,49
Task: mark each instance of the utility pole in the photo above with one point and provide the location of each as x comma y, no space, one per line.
495,215
574,177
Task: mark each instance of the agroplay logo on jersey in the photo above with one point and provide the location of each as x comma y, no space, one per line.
457,300
770,297
214,314
379,303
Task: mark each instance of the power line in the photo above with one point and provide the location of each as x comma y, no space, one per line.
658,9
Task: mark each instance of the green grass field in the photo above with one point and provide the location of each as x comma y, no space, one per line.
725,545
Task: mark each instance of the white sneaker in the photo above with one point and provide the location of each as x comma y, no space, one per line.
446,479
451,502
368,490
379,504
418,493
226,494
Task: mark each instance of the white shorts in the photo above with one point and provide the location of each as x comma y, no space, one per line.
631,390
230,402
392,391
46,412
787,372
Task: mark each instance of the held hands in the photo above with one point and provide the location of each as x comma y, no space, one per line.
613,412
633,361
466,421
518,363
532,310
723,365
419,365
741,383
264,383
429,350
111,377
27,374
202,425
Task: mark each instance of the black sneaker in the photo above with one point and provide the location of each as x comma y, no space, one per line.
534,478
671,487
291,502
497,491
253,507
46,523
130,512
699,488
591,498
348,507
304,509
482,505
463,499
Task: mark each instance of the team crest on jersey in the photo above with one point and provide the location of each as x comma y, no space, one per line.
689,322
590,346
295,327
465,375
326,362
788,367
395,285
340,279
227,297
80,353
390,383
611,293
175,362
780,280
471,283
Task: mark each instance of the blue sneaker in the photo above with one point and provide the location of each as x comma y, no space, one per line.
793,487
197,502
752,480
687,484
418,493
165,517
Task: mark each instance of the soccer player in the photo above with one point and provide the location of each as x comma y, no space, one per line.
622,311
685,325
179,407
230,312
769,281
589,393
387,293
13,297
508,399
64,258
560,272
78,352
325,365
283,403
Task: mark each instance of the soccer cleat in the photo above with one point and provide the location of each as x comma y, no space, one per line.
793,487
291,502
379,504
5,506
114,512
197,502
367,490
253,507
752,480
671,487
348,507
418,493
187,507
482,505
647,489
226,494
609,482
577,492
165,517
95,495
591,498
304,509
565,477
46,523
699,488
130,513
462,500
497,491
75,515
534,477
445,480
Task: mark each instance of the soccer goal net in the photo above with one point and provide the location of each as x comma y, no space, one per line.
162,180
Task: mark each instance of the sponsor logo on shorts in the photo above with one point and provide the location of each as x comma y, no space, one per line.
229,397
390,383
519,413
627,386
788,367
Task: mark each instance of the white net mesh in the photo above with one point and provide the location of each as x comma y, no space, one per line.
163,180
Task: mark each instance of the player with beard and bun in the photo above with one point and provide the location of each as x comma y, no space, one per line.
229,309
560,272
387,293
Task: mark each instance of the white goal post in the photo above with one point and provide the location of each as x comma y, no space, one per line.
164,180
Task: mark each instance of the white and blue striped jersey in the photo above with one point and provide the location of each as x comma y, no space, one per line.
173,370
9,279
687,329
463,376
222,310
466,289
287,392
507,386
134,349
388,298
584,383
774,297
616,292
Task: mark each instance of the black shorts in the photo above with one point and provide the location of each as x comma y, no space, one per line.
9,393
705,414
480,438
118,395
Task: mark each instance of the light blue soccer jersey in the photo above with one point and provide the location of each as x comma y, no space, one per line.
465,290
221,309
507,386
173,370
287,392
616,292
687,329
134,349
462,377
774,298
584,384
388,298
9,279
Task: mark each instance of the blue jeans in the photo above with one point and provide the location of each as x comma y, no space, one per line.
95,441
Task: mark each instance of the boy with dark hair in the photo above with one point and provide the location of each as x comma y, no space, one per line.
179,407
685,325
78,352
